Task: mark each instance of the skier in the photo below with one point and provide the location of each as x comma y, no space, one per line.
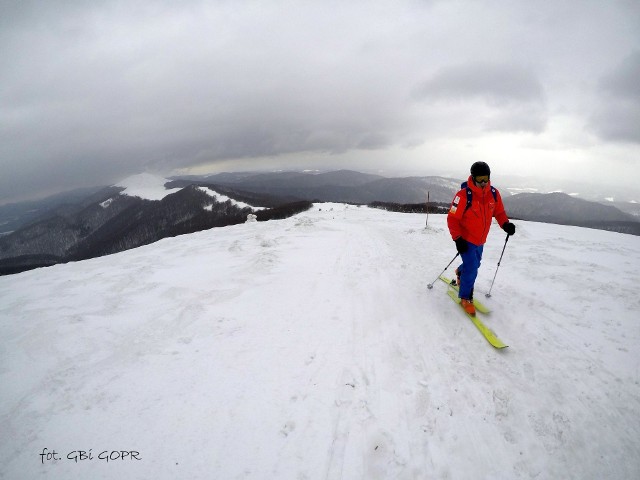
469,220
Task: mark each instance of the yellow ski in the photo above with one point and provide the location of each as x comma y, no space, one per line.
476,303
491,337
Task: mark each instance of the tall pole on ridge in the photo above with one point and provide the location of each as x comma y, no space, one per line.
427,224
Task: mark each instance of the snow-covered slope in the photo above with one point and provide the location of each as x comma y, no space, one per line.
221,198
311,348
146,186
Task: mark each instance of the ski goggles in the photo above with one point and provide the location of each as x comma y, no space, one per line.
482,179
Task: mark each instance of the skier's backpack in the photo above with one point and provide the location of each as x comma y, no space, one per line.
465,186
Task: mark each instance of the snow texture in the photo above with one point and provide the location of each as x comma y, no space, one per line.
220,198
146,186
311,348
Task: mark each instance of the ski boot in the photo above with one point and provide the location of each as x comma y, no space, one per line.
468,307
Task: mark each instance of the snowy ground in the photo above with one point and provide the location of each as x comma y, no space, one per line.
311,348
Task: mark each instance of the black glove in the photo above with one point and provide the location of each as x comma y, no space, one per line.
461,245
509,227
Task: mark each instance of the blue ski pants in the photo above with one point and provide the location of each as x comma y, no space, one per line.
469,269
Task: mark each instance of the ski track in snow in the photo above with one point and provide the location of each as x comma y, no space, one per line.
311,348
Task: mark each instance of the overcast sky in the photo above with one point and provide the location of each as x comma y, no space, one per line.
93,91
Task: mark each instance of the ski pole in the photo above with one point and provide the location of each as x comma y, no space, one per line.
488,294
430,286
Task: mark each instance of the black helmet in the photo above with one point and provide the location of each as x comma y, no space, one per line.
480,168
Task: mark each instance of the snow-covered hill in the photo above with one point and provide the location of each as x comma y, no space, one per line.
146,186
138,211
311,348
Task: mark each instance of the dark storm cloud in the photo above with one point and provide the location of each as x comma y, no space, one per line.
498,84
91,92
617,116
514,94
168,87
624,81
173,85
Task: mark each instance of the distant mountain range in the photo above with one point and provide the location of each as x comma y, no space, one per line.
109,221
355,187
564,209
95,222
15,215
343,186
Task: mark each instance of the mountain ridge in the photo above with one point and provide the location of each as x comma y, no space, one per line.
563,209
111,221
146,208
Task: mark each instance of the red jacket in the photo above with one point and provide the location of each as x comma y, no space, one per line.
473,224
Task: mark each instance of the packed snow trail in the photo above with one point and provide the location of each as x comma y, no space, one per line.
311,348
